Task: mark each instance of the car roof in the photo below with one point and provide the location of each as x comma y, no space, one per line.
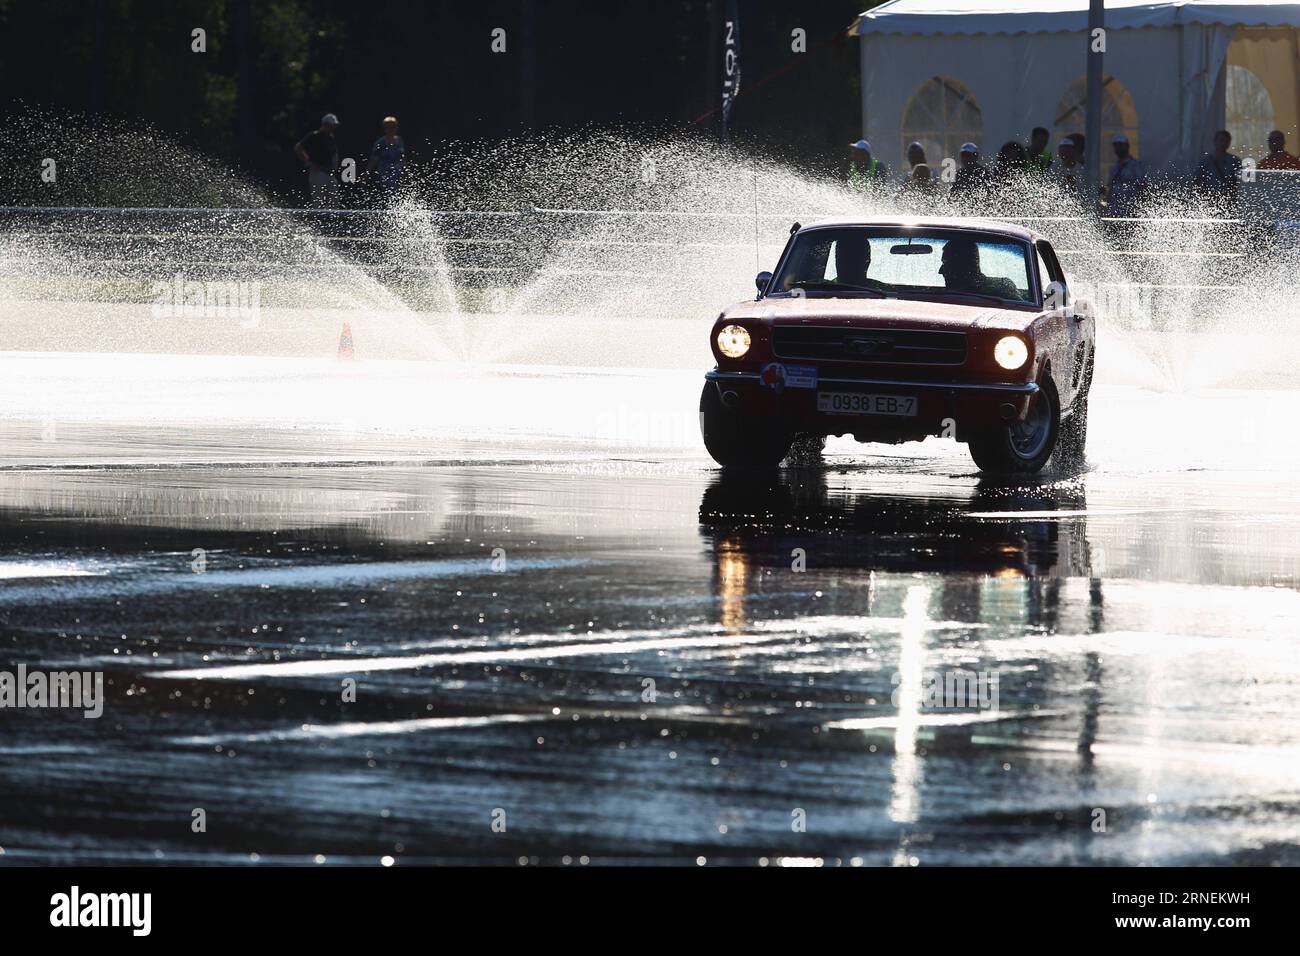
971,223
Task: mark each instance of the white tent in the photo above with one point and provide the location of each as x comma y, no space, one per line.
944,71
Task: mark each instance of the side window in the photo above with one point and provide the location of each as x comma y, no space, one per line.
1050,268
1006,264
808,260
1044,277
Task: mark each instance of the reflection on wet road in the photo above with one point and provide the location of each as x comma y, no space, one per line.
884,660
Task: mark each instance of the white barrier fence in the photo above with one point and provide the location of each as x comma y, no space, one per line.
503,248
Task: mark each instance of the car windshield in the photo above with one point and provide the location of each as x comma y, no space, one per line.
868,261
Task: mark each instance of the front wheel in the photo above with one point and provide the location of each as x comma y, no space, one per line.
1073,440
1070,447
1021,448
738,442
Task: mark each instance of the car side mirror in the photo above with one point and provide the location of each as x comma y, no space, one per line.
762,281
1056,295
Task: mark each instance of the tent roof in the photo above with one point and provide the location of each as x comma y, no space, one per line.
966,17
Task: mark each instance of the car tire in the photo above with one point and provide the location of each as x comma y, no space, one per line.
1073,439
1021,448
738,442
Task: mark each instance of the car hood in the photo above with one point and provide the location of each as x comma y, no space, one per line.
881,313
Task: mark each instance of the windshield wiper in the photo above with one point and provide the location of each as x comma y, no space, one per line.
825,285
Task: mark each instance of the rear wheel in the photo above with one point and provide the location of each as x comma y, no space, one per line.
735,441
1021,448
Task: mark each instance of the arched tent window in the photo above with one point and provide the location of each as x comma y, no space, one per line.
1248,112
941,115
1118,115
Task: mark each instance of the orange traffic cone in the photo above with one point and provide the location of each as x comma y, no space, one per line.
345,343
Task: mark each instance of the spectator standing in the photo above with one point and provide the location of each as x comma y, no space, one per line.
1218,176
863,167
915,157
1011,161
1278,157
1127,180
972,177
386,157
1080,148
1070,174
919,181
320,151
1040,152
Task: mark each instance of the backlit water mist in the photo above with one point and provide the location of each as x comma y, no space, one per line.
598,253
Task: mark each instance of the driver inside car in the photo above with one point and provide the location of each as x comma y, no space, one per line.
961,272
852,260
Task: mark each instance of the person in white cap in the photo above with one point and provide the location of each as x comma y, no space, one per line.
863,167
320,152
1069,171
1127,180
971,176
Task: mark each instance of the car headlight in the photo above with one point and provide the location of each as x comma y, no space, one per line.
1011,352
733,341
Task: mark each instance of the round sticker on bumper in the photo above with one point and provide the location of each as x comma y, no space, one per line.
773,376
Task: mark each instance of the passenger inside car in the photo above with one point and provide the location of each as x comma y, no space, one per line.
960,269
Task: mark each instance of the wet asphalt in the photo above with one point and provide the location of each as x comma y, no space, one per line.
565,653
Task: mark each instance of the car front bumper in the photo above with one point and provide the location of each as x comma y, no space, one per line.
941,406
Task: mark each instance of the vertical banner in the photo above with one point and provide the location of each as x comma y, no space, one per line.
730,64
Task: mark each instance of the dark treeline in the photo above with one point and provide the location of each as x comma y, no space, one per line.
272,67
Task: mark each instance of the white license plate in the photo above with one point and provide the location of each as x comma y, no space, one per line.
856,403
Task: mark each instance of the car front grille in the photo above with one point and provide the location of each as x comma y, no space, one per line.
847,344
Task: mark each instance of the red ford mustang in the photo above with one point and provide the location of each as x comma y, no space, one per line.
891,330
